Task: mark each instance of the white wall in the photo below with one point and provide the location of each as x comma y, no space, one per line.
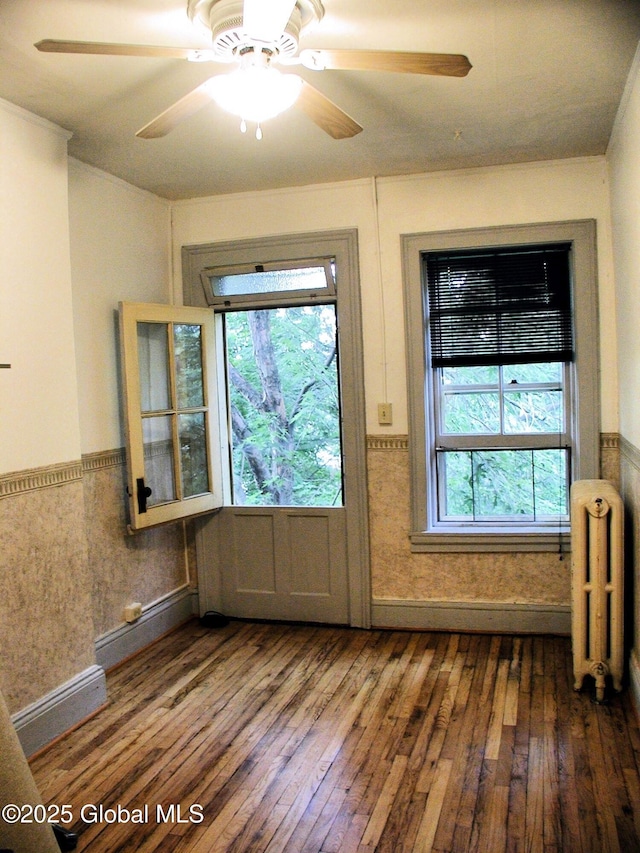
389,207
38,397
624,165
46,630
624,162
120,250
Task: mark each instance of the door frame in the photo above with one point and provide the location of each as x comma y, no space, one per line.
343,245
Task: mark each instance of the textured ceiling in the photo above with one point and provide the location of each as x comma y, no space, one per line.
546,82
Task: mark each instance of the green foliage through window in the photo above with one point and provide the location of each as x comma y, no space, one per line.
283,388
487,413
504,485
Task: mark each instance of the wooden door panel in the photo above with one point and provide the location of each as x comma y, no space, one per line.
254,561
309,554
284,564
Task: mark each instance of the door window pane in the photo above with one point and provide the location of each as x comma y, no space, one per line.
157,437
193,454
188,359
167,415
284,401
153,360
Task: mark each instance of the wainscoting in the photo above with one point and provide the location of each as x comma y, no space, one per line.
68,567
46,627
459,591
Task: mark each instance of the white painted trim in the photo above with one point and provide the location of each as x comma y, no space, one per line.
226,198
70,703
26,115
448,174
157,618
487,616
119,182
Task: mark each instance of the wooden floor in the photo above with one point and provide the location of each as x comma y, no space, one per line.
288,738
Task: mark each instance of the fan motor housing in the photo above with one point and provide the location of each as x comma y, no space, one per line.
223,18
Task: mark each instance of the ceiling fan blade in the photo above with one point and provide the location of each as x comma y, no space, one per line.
265,20
441,64
326,114
108,49
187,106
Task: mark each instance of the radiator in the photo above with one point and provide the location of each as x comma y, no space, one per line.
597,579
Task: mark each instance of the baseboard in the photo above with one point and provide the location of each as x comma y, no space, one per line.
38,724
157,618
472,616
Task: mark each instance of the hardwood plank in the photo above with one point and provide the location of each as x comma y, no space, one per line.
450,831
383,805
322,740
534,838
496,721
442,726
435,801
566,769
466,815
492,832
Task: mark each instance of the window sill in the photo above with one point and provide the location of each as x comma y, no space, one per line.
482,541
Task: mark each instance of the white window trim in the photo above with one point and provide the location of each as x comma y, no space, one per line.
130,314
426,534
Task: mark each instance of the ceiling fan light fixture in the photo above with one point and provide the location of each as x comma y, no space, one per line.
255,92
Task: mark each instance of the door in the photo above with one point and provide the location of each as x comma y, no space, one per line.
283,542
290,543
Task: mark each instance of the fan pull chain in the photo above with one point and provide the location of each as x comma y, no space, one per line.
243,129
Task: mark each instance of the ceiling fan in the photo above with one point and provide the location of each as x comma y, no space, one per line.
260,39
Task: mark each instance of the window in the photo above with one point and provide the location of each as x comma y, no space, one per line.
502,347
171,413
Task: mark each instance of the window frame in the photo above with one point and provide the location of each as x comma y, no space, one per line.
130,315
273,300
427,533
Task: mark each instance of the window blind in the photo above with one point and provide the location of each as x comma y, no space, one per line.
508,305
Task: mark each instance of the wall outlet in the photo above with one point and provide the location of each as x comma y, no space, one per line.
132,612
385,414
